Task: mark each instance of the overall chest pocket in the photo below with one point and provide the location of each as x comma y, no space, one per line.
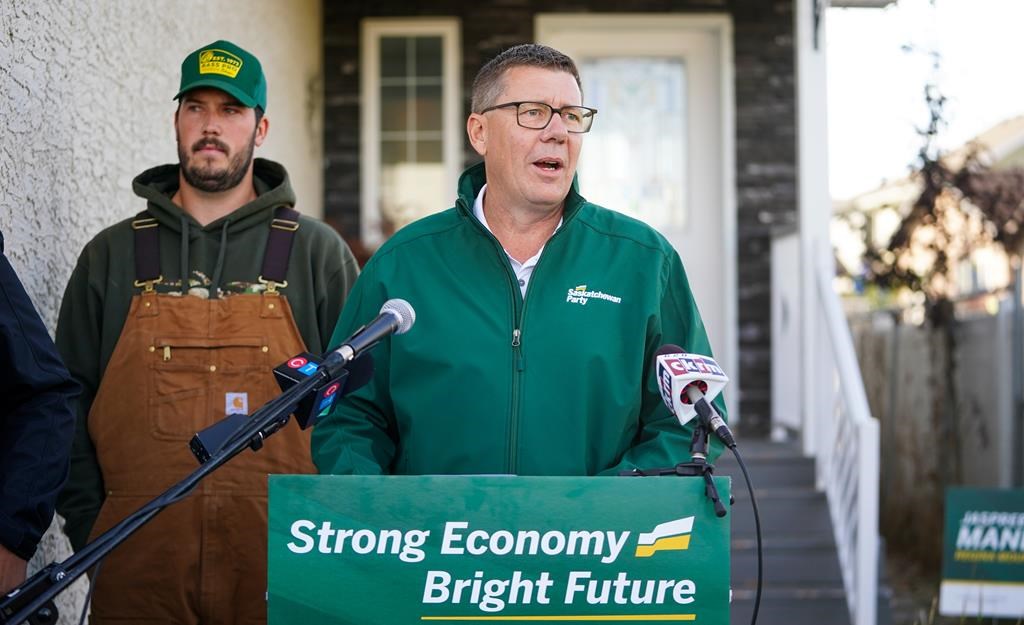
191,378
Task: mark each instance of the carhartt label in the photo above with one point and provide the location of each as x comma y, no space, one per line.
236,403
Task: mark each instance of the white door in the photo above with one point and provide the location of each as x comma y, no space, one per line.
661,149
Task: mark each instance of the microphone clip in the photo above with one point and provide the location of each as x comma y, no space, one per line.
697,466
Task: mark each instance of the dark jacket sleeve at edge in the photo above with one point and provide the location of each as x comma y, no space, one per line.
36,419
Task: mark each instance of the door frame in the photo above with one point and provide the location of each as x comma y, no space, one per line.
549,25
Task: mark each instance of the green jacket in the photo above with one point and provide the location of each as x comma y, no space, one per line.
560,383
222,257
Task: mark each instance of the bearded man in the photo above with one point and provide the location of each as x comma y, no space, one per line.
173,319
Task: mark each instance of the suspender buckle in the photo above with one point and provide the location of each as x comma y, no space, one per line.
272,286
147,285
285,224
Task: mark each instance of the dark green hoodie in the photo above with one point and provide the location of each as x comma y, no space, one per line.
221,258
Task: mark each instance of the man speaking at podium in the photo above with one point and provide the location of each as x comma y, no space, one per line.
537,312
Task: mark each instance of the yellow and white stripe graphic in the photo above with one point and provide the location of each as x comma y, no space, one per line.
670,536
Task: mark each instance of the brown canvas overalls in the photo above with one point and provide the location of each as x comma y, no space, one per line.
180,364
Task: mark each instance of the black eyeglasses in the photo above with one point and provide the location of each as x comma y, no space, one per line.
537,115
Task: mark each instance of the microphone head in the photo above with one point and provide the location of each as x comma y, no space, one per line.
403,311
677,370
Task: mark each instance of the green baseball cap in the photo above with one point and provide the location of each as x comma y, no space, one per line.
223,65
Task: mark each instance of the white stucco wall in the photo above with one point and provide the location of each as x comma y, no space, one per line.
85,105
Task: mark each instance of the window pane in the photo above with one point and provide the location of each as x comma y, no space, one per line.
429,152
392,152
409,191
412,175
393,109
428,57
393,57
635,159
428,108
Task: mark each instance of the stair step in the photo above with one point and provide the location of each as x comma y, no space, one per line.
802,542
811,561
815,568
761,449
802,579
783,513
787,610
769,468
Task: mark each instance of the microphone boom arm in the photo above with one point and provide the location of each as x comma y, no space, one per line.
31,601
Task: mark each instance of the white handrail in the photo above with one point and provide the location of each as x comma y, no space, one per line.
846,452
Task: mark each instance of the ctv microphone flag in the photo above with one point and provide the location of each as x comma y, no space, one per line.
678,371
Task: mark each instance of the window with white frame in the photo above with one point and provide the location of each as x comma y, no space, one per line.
410,152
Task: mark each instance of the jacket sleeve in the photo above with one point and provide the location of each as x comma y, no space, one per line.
660,441
359,435
36,419
78,339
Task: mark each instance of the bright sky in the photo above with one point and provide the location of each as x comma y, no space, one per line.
876,90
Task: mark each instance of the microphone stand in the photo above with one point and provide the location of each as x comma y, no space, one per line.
698,465
32,601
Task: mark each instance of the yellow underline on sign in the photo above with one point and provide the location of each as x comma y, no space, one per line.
570,617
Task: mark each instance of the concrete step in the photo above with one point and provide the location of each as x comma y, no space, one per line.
784,512
802,580
812,568
782,466
796,606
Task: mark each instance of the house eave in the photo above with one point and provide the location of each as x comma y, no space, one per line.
861,4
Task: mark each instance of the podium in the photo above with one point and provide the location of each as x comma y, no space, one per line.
391,550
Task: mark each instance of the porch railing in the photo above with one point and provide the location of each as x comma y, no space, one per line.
846,451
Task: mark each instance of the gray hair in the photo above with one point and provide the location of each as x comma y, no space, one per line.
489,81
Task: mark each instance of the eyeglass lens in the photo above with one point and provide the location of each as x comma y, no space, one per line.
536,115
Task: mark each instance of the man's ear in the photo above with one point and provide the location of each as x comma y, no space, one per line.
476,128
261,131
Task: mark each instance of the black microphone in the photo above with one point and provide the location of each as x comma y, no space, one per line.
396,317
683,380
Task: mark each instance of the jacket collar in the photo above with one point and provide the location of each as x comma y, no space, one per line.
474,178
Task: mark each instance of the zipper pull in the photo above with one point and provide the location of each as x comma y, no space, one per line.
167,352
515,346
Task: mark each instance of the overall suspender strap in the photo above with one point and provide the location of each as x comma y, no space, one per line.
279,247
147,252
275,258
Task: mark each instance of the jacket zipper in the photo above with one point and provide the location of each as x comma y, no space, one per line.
518,315
513,425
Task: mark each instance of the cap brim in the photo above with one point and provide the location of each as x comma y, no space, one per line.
226,87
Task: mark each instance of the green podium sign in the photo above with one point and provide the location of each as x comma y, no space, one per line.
455,549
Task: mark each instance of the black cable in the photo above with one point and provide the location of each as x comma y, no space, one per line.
757,528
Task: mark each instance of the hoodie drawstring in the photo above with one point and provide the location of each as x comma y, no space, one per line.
218,269
184,256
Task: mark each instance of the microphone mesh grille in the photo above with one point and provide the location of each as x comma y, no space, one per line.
403,310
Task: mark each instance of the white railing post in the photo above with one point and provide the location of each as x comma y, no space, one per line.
868,547
844,419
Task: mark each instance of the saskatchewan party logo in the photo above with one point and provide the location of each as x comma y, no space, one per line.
580,295
214,61
670,536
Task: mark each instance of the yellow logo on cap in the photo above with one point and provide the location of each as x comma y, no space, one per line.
215,61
